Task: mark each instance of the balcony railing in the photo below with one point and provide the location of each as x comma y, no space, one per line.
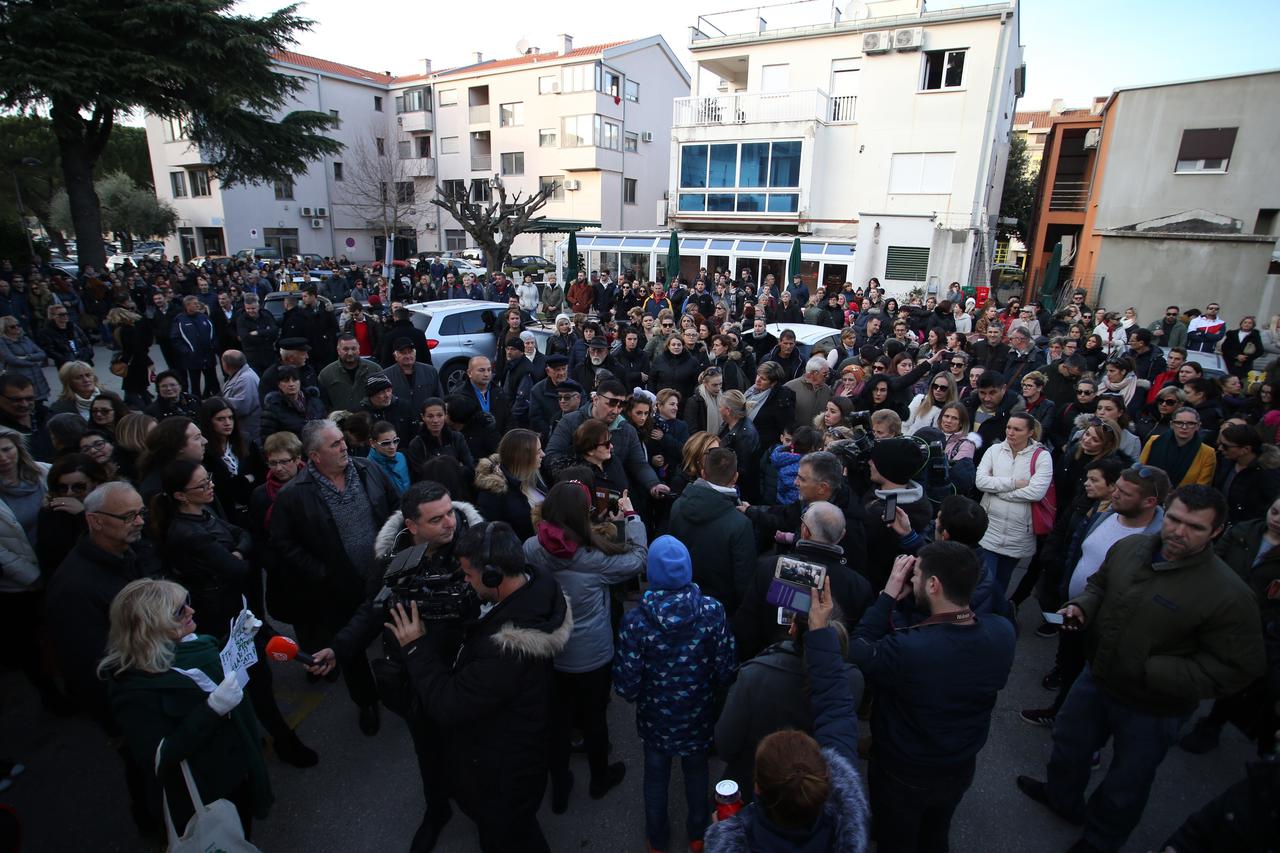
481,162
419,167
843,108
1069,195
755,107
479,114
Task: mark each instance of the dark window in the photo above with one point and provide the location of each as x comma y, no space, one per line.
1206,149
943,69
337,171
377,103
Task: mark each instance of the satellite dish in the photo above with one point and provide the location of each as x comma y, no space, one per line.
855,10
522,46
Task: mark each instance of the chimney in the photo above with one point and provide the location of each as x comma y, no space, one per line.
1055,109
479,57
568,43
426,66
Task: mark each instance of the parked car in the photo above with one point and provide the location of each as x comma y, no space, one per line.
1210,362
259,254
522,265
808,336
274,302
458,329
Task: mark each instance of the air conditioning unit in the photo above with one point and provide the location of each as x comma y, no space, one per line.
572,185
317,223
1092,137
879,42
555,87
910,39
305,211
322,212
400,120
646,136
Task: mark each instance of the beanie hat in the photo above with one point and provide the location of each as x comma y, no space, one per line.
669,564
375,383
897,459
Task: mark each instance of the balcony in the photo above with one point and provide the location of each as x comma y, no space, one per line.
1069,195
481,162
478,114
763,107
416,122
419,167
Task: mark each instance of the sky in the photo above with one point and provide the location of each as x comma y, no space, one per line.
1074,49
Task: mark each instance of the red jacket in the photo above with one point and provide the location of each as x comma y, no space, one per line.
581,296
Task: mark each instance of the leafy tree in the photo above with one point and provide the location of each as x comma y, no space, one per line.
90,61
1018,199
127,209
494,225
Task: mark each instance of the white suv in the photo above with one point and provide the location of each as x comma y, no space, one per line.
458,329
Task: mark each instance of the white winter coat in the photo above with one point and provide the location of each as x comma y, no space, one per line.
1009,509
20,571
528,296
914,419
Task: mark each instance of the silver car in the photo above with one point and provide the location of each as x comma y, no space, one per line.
458,329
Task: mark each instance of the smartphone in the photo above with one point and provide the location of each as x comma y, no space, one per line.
1052,618
890,508
786,617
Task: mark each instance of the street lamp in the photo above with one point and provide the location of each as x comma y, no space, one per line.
30,163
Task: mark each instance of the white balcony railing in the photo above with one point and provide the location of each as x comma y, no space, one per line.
481,162
756,107
478,114
419,167
843,108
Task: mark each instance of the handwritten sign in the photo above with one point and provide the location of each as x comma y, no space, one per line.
239,653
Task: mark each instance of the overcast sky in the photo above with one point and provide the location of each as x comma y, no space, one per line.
1074,48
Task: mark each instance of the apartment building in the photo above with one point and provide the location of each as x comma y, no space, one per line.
888,127
593,119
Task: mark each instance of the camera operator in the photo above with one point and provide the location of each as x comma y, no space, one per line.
936,685
428,517
893,465
819,477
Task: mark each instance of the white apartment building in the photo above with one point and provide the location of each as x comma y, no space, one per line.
593,119
889,127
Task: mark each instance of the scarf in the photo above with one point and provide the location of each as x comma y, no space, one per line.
756,400
713,409
273,488
1125,388
83,404
1173,459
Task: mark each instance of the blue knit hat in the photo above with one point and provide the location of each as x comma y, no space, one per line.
669,564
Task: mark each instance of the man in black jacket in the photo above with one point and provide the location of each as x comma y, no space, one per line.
414,383
492,699
402,327
257,330
989,408
544,403
314,322
990,352
323,528
894,465
719,538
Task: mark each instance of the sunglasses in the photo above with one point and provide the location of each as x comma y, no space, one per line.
71,488
1166,401
388,442
182,608
614,402
606,443
958,364
942,387
1146,472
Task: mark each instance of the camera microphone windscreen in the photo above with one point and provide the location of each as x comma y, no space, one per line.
284,649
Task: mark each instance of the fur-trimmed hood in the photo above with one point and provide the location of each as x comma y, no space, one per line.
385,541
845,820
490,476
535,641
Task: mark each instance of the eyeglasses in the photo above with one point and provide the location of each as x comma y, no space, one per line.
957,364
942,386
182,608
71,488
1188,424
94,445
97,410
24,399
206,483
127,517
388,442
281,463
667,325
1167,401
608,442
1085,392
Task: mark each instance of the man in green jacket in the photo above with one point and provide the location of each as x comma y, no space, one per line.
1168,624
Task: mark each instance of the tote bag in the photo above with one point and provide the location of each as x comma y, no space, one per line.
1045,510
215,826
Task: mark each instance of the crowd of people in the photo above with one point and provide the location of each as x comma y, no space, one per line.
614,512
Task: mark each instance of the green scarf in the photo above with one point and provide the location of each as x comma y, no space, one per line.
1173,459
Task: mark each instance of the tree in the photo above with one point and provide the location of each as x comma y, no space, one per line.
1018,199
90,61
127,209
377,186
494,225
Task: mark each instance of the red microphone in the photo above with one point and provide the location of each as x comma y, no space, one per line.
284,649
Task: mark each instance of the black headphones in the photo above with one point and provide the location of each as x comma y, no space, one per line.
491,575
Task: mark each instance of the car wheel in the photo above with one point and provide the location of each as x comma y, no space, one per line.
454,377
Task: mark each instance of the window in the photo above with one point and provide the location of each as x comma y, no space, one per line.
906,263
413,101
337,171
284,190
173,129
632,91
200,182
448,97
744,175
479,190
377,103
404,192
628,190
943,69
921,173
448,145
404,149
580,78
455,239
337,119
611,83
1265,224
631,143
424,146
513,163
178,183
578,131
547,138
546,85
608,134
546,180
456,189
1205,150
381,145
511,115
775,78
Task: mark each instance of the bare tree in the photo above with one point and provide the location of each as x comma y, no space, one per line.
494,225
377,186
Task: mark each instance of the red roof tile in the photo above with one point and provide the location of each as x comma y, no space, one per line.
332,67
529,59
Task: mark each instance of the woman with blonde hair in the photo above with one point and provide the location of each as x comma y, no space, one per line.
508,486
20,355
1012,475
927,405
695,451
80,387
134,340
131,440
176,706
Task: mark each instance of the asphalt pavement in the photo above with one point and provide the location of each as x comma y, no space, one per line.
365,794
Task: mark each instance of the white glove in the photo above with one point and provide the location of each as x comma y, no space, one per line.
226,696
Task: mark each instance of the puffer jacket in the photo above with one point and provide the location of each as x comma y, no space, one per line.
675,655
1164,635
19,569
528,295
584,574
1009,509
675,371
24,358
499,498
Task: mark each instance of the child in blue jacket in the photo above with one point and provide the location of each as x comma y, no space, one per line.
786,460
